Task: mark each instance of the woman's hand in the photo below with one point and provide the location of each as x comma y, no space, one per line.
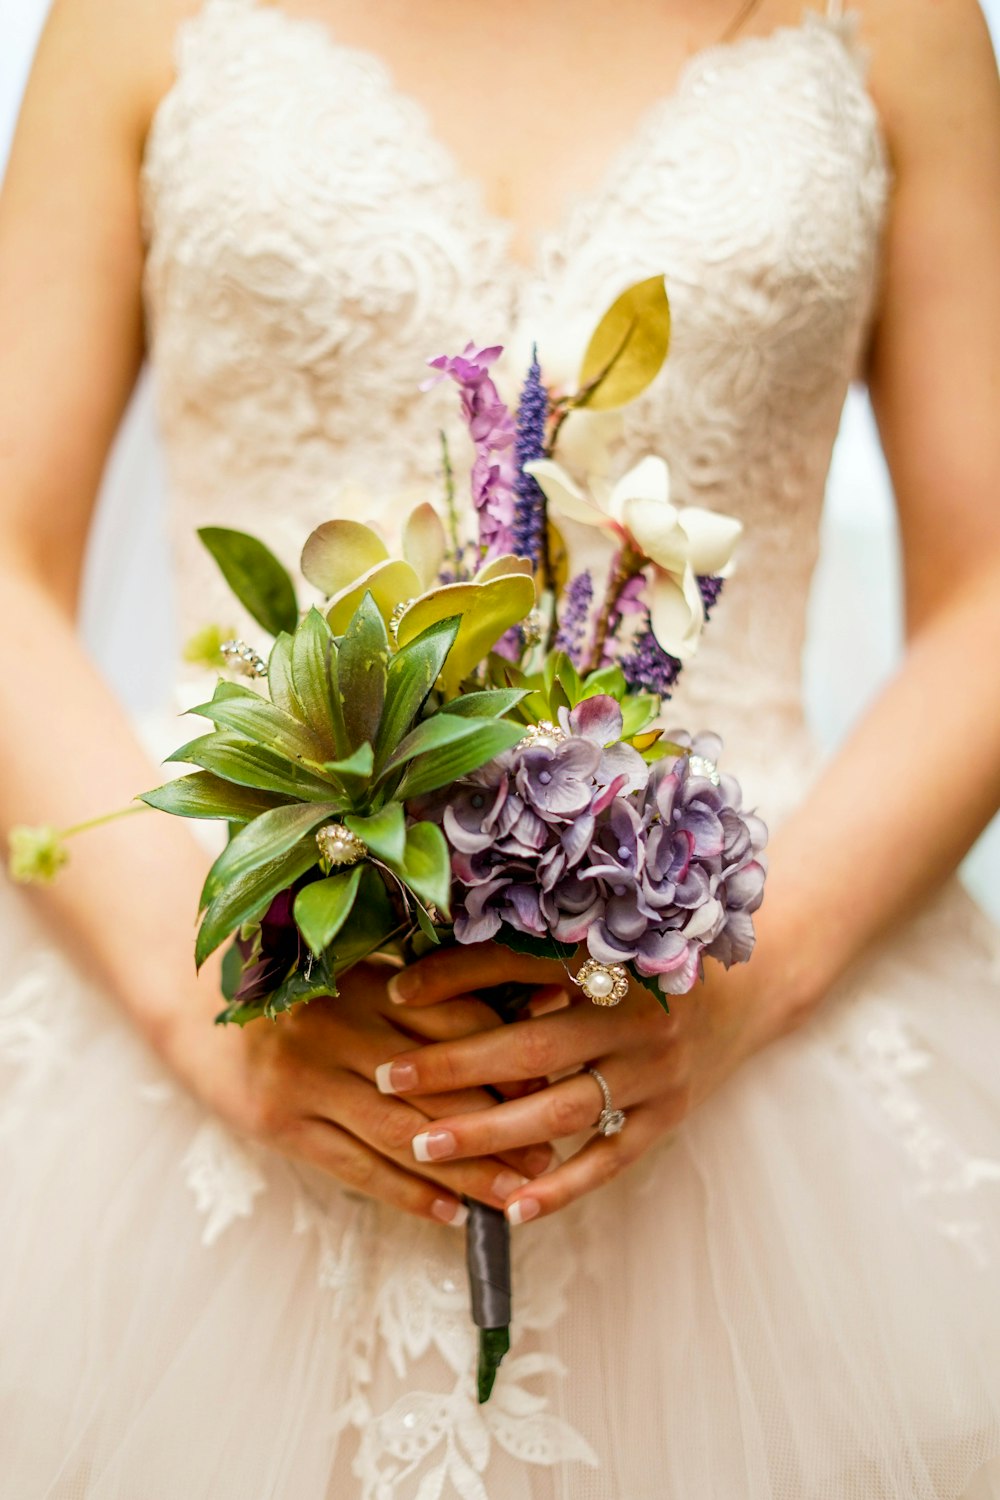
658,1067
304,1086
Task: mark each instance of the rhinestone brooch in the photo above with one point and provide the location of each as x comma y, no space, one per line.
543,736
700,765
605,984
339,846
243,659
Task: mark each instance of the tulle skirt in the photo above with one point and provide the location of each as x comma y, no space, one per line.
796,1298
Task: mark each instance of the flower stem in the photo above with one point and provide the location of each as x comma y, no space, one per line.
627,565
120,812
449,498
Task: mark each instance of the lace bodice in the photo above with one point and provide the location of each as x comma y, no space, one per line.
310,244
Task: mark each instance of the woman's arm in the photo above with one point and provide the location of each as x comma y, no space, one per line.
919,778
71,343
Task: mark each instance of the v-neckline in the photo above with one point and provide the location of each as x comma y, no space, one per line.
538,242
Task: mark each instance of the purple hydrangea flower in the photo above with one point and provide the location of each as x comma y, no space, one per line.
654,869
491,427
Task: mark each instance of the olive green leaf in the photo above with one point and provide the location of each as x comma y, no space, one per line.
264,839
248,897
338,552
412,674
425,543
362,666
434,734
440,767
373,922
256,719
255,576
202,795
322,907
354,772
251,765
426,865
312,645
390,584
487,610
384,832
627,348
279,677
491,704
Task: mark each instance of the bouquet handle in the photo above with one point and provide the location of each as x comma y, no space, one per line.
487,1241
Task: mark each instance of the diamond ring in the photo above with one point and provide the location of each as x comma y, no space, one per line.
611,1120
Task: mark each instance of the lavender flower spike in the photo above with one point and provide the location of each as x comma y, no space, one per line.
529,506
573,635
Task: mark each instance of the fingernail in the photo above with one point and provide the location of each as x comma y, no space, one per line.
450,1212
538,1160
505,1183
394,1077
523,1210
404,986
433,1145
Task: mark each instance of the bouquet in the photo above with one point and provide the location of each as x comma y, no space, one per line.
461,743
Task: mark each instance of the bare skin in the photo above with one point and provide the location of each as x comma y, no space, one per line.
70,349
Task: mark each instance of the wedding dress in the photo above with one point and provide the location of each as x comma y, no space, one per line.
795,1299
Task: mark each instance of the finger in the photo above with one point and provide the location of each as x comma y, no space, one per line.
444,1022
563,1109
389,1125
595,1164
536,1048
360,1168
529,1160
462,969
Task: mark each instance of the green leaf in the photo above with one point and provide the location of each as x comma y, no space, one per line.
648,982
265,839
231,972
255,576
487,611
426,865
537,947
627,348
300,986
203,795
434,734
322,908
384,832
492,704
373,922
247,764
279,677
638,712
258,720
441,767
338,552
354,773
249,897
412,674
610,680
362,668
312,645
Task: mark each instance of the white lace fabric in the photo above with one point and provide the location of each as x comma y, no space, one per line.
795,1300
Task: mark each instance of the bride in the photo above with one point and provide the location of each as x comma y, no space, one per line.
227,1273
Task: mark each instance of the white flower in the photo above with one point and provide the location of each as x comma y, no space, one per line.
680,544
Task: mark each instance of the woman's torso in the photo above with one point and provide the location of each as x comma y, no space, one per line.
311,243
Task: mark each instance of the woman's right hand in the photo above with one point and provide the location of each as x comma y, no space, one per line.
304,1085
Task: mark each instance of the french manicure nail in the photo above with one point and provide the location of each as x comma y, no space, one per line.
394,1078
505,1183
523,1210
433,1145
449,1212
404,986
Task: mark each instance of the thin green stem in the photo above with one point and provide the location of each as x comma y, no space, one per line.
628,564
121,812
449,499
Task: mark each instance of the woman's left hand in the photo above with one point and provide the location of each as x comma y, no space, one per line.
658,1067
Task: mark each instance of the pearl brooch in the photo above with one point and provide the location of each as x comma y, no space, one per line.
604,984
339,846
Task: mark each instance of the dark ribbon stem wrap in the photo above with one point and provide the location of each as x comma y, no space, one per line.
487,1242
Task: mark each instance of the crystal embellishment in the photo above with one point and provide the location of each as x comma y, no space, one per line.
243,659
